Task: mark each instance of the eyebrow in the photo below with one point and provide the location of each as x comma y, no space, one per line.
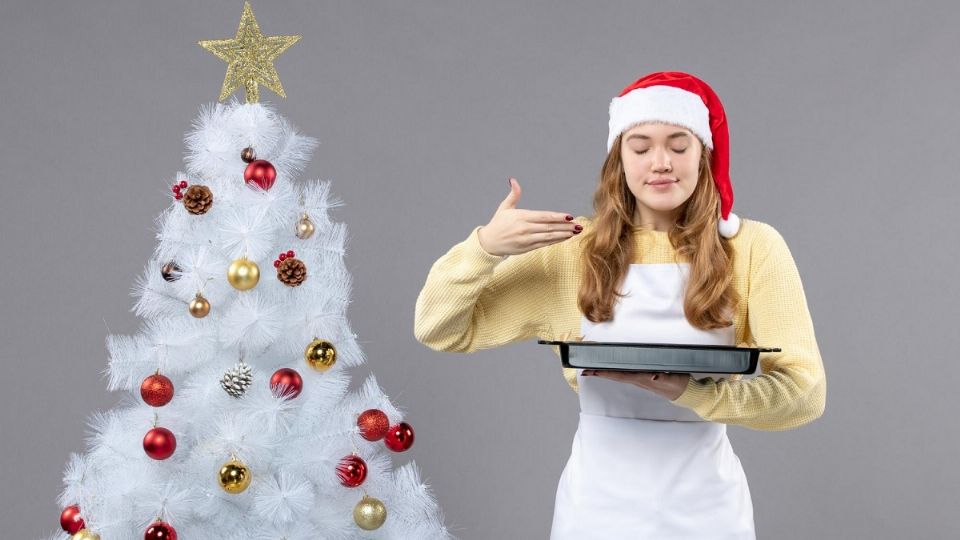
644,137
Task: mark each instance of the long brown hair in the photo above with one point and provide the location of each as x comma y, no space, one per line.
709,299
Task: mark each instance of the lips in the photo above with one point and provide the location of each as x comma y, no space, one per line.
661,181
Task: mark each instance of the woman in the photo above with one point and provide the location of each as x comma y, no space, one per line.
662,260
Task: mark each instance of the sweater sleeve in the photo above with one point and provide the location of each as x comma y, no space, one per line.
474,300
791,391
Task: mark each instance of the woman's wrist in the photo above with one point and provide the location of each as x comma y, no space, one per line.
482,246
480,240
678,385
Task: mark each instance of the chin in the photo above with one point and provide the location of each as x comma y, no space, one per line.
664,208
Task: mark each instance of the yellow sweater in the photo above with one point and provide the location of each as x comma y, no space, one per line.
474,300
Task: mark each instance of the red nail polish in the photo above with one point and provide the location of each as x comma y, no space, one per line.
569,218
578,228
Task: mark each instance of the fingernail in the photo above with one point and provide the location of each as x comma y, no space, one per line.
569,218
578,228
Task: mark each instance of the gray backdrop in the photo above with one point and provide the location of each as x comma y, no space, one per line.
843,121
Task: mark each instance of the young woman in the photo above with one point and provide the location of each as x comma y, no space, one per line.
664,260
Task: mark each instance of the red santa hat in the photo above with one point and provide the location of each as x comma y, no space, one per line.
679,98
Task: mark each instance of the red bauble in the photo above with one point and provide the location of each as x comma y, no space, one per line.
160,531
156,390
399,437
159,443
261,173
286,382
373,424
70,519
352,470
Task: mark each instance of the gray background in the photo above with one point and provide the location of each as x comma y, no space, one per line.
844,128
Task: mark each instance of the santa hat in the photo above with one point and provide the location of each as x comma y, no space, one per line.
679,98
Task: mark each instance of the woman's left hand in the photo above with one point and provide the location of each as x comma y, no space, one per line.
668,385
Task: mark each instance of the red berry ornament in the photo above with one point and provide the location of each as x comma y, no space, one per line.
160,531
352,470
159,443
156,390
286,382
177,193
399,437
373,424
70,519
261,173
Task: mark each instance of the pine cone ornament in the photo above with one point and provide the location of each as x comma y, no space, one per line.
236,381
290,271
198,199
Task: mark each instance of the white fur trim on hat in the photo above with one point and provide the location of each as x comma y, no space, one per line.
728,227
660,103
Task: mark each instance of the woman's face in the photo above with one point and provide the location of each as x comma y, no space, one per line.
662,164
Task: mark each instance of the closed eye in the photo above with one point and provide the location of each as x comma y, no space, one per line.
679,151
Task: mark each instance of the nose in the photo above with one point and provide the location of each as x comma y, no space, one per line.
661,161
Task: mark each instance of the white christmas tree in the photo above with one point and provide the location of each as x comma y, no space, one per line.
238,420
249,374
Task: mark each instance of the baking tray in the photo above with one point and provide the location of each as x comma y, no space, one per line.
661,357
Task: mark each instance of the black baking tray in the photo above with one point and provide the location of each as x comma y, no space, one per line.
661,357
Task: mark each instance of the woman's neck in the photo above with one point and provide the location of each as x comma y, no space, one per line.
656,221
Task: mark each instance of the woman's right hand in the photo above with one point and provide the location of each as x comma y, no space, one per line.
513,231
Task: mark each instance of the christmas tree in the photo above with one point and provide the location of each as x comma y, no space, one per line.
238,420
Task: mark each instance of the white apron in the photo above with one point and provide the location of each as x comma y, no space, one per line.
640,466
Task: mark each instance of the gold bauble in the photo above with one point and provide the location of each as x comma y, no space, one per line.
199,307
234,476
305,228
369,513
243,274
84,534
320,354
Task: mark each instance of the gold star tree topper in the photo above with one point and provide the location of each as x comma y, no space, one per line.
249,57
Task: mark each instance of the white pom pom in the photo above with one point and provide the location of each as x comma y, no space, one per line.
252,322
283,498
728,227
